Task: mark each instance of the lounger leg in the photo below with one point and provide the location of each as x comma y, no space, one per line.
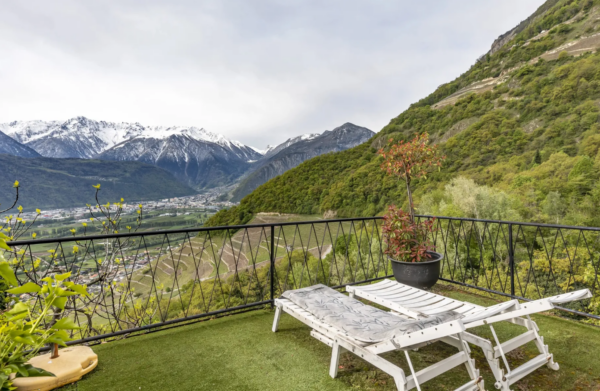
335,359
379,362
276,320
539,343
412,371
470,363
494,364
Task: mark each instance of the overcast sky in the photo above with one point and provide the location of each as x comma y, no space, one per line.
258,71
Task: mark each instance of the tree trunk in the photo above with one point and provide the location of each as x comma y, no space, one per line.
411,208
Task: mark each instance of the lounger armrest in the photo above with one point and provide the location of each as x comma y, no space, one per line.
570,296
488,312
428,334
523,310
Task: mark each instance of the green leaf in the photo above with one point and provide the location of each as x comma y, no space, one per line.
4,382
4,245
60,302
81,289
20,316
21,371
64,276
18,308
29,287
57,341
64,293
60,334
37,372
65,324
7,273
28,370
24,340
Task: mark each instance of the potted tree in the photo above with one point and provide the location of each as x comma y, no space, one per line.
408,241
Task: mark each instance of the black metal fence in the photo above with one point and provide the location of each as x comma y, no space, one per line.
144,280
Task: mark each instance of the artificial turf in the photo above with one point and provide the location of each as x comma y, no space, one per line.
239,352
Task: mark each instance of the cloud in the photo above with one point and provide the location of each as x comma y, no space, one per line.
259,71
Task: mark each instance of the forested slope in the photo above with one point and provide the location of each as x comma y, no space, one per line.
520,130
57,183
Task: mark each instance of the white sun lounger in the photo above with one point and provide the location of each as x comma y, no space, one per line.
413,303
408,336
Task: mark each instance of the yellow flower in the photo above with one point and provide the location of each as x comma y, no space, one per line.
33,235
38,211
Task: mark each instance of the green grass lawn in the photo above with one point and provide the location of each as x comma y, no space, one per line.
239,352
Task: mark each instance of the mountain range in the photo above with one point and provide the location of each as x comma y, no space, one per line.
195,156
295,151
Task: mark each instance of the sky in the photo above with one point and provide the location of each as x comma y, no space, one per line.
257,71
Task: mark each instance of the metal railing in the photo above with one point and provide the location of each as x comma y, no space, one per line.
143,280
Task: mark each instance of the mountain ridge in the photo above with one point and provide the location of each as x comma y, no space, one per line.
296,150
12,147
80,137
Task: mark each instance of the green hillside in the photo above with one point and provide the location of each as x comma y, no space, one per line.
522,124
54,183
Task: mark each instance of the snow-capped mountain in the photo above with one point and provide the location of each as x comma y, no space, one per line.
297,150
188,155
81,137
11,147
272,151
77,137
194,155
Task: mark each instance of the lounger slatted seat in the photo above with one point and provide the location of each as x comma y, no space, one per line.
345,324
413,303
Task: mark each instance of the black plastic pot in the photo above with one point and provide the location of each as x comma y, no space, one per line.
422,275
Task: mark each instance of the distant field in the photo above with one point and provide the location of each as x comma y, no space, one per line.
202,256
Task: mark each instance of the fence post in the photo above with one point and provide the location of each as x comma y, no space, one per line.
272,271
511,260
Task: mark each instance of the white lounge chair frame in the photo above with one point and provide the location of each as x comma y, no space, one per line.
413,303
340,342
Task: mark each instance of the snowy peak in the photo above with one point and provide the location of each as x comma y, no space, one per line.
82,137
271,151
